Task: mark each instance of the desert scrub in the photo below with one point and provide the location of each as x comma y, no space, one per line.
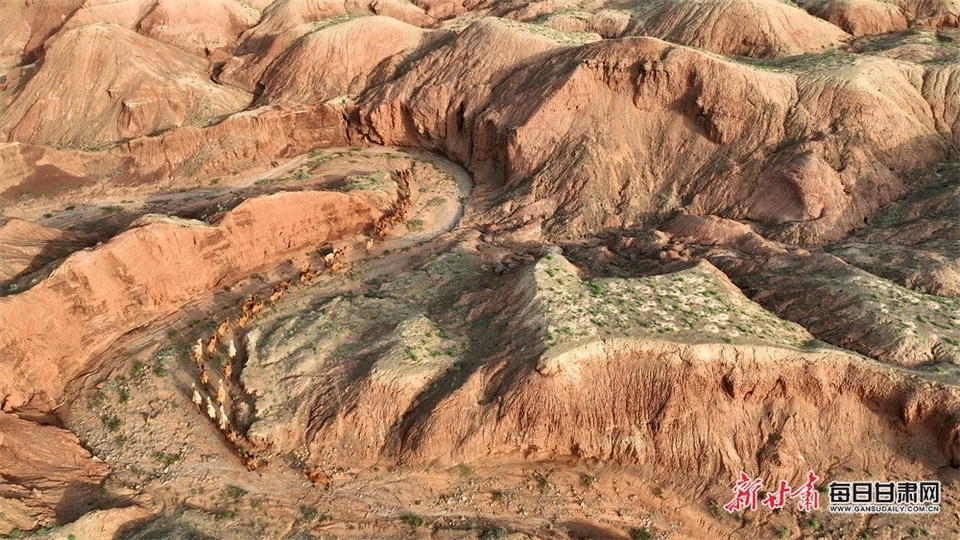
96,399
413,520
463,470
695,303
234,493
308,513
542,481
415,225
559,36
494,534
374,182
165,459
112,423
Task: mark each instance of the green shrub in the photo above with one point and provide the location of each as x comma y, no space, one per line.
412,520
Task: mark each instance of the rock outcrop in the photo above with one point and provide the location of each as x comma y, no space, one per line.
26,247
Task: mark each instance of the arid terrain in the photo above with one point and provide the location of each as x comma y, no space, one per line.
450,269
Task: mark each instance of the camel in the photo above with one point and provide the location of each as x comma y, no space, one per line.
197,398
211,411
243,320
381,229
224,326
369,245
198,351
223,421
279,290
221,392
250,461
231,434
232,350
257,308
248,304
212,345
306,274
204,376
316,477
228,371
334,259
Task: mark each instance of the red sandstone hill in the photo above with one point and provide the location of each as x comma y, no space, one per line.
773,147
24,26
148,272
127,86
859,17
352,51
754,28
864,17
285,22
198,28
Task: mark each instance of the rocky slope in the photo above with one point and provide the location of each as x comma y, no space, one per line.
205,29
568,362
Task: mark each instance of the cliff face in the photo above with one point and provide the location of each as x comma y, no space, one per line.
715,410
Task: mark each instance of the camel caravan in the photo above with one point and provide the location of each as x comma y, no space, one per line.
397,214
217,408
335,259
